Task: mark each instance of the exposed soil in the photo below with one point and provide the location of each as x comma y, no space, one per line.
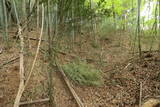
122,74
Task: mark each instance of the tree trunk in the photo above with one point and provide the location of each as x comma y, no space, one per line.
139,28
5,19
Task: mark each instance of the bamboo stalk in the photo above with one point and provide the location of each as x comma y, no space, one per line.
35,101
38,48
22,78
23,85
5,20
8,62
76,97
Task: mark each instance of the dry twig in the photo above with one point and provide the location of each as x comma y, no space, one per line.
33,102
8,62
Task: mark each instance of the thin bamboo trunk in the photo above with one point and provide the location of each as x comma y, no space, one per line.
155,25
38,47
73,24
24,16
22,77
92,23
114,14
159,24
139,28
23,85
50,74
5,19
37,15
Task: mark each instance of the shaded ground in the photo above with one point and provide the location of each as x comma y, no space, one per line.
122,74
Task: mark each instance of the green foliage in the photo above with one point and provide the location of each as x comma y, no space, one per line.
106,27
119,5
95,45
83,73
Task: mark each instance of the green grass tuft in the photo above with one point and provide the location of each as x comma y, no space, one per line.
83,73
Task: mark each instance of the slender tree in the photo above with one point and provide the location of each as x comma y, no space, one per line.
114,14
5,20
139,28
155,25
50,58
22,75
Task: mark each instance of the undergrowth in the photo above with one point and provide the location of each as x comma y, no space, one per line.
83,73
106,27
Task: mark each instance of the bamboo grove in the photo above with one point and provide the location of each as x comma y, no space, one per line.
70,16
55,19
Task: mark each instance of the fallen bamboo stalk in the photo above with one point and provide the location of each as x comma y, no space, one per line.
1,50
8,62
78,100
30,38
33,102
36,39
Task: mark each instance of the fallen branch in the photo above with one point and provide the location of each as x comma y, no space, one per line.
8,62
127,65
1,50
35,39
30,38
146,51
33,102
78,100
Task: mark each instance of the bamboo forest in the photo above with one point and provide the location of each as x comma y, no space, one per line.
79,53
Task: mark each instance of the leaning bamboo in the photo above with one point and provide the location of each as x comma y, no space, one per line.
23,85
22,78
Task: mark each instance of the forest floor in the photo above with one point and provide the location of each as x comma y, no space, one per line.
123,74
